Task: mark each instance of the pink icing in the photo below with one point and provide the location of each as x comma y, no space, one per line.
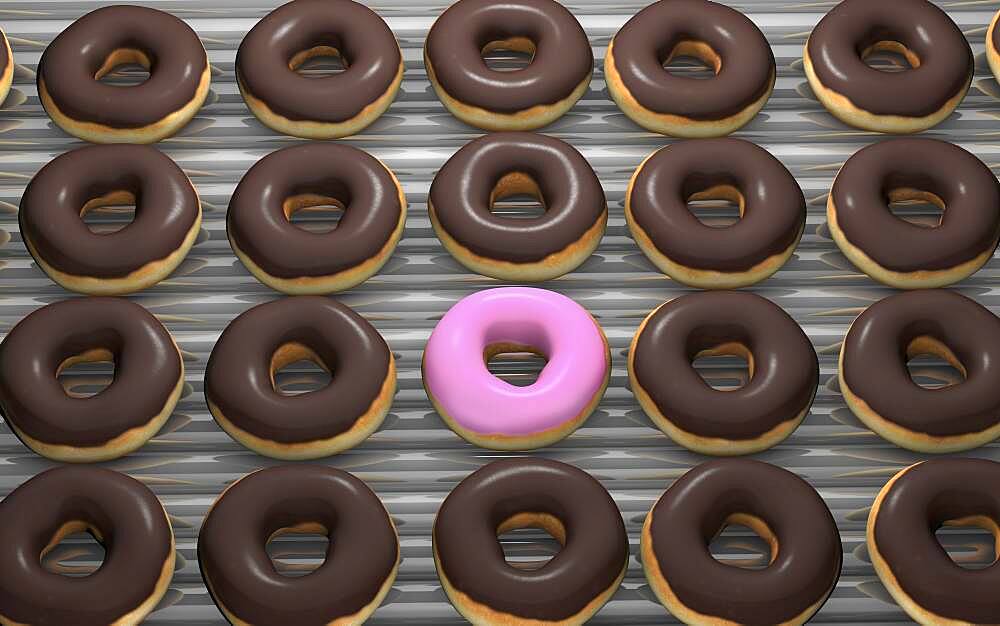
456,375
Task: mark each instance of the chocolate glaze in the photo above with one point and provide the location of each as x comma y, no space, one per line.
240,575
5,59
257,224
147,370
238,375
470,555
132,527
364,42
838,40
773,216
167,207
69,64
646,41
874,361
921,499
562,59
785,373
571,194
970,223
694,509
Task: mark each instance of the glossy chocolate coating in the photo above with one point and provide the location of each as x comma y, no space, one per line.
646,41
694,509
785,367
69,64
774,209
133,529
946,62
364,42
571,194
240,575
167,208
238,375
874,362
920,500
472,559
257,223
970,223
5,58
562,60
147,370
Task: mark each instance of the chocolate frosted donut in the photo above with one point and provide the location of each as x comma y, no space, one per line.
144,252
529,493
528,98
907,556
6,67
909,101
119,512
360,564
662,102
148,379
900,253
501,165
772,212
784,372
330,106
70,69
779,506
240,389
877,386
295,261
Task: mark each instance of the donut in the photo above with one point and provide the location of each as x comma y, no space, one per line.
148,379
993,46
295,261
490,412
528,98
6,67
772,212
71,67
907,556
906,255
877,386
784,372
779,506
120,513
360,564
505,164
167,218
721,37
333,106
240,389
909,101
509,494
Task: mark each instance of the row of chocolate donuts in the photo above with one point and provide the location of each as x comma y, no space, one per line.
362,562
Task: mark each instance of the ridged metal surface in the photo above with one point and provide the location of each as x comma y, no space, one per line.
414,460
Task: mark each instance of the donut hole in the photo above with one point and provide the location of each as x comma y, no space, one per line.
508,55
517,196
314,213
725,367
109,213
320,61
971,542
296,369
87,374
744,541
125,67
890,56
76,550
932,365
718,206
692,59
298,550
921,208
515,364
530,540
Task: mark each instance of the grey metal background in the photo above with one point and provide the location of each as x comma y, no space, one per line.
414,460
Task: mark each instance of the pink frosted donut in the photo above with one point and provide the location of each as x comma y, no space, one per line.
492,413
